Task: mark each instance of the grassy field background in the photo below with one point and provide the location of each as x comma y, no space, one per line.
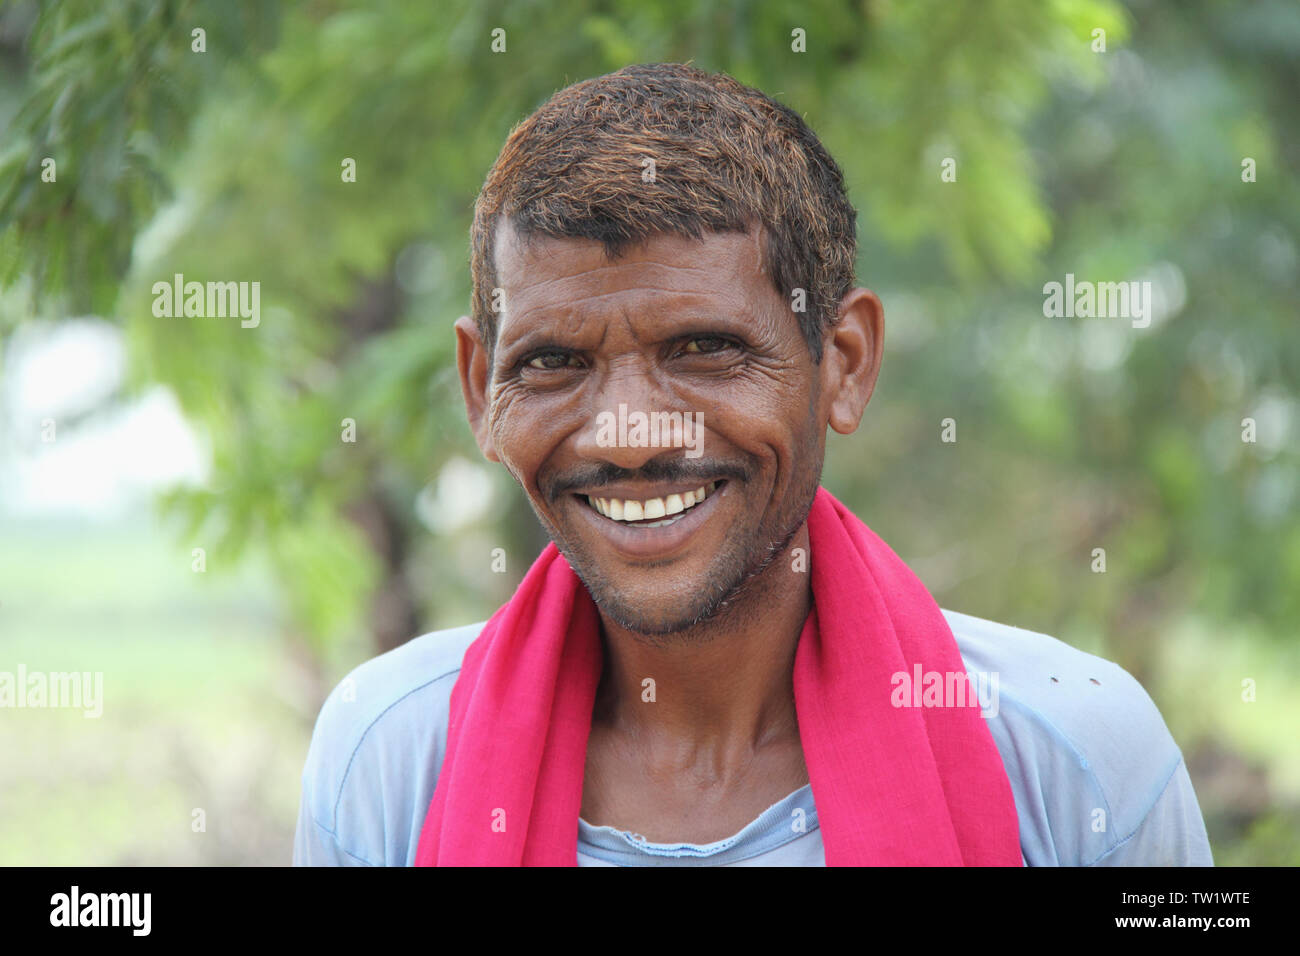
204,705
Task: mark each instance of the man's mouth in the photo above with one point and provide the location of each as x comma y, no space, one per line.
642,525
652,512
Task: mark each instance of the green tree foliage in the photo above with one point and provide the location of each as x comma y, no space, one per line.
1072,434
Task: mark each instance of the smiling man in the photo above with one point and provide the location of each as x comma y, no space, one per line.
714,661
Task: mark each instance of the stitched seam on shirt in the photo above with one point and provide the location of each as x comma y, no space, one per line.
1087,766
620,857
335,837
369,727
783,843
1143,821
1035,713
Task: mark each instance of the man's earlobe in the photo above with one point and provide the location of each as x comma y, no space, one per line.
475,370
852,352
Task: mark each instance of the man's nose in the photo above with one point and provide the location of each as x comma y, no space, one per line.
628,393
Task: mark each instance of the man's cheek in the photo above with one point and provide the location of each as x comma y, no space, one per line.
508,425
507,452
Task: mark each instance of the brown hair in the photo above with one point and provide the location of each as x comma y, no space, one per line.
726,156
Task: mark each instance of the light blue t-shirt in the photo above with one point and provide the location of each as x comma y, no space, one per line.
1097,778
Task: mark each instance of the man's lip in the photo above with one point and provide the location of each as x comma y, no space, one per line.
642,542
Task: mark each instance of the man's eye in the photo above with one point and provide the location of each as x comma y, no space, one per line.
550,360
706,344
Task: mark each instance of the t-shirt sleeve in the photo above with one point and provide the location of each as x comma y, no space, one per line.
341,813
376,753
1171,834
334,743
1098,778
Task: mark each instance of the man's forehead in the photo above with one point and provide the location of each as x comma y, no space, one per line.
541,266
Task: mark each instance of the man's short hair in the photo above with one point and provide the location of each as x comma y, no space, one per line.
726,156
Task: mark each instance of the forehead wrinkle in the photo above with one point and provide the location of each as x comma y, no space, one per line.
652,266
569,320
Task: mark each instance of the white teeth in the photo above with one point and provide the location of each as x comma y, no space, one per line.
666,521
669,507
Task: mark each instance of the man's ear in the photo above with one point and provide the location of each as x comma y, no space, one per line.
851,354
475,374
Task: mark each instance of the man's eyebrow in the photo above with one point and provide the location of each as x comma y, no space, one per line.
682,322
530,339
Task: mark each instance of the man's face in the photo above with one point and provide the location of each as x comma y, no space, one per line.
676,325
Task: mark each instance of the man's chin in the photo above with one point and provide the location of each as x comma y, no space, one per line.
686,613
655,622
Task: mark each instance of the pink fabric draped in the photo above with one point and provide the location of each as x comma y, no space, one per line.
895,782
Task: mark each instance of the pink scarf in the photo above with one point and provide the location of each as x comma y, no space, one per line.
893,785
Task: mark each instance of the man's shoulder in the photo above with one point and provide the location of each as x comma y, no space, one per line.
1085,747
393,705
1078,692
371,691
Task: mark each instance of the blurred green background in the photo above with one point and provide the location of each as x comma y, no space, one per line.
225,164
